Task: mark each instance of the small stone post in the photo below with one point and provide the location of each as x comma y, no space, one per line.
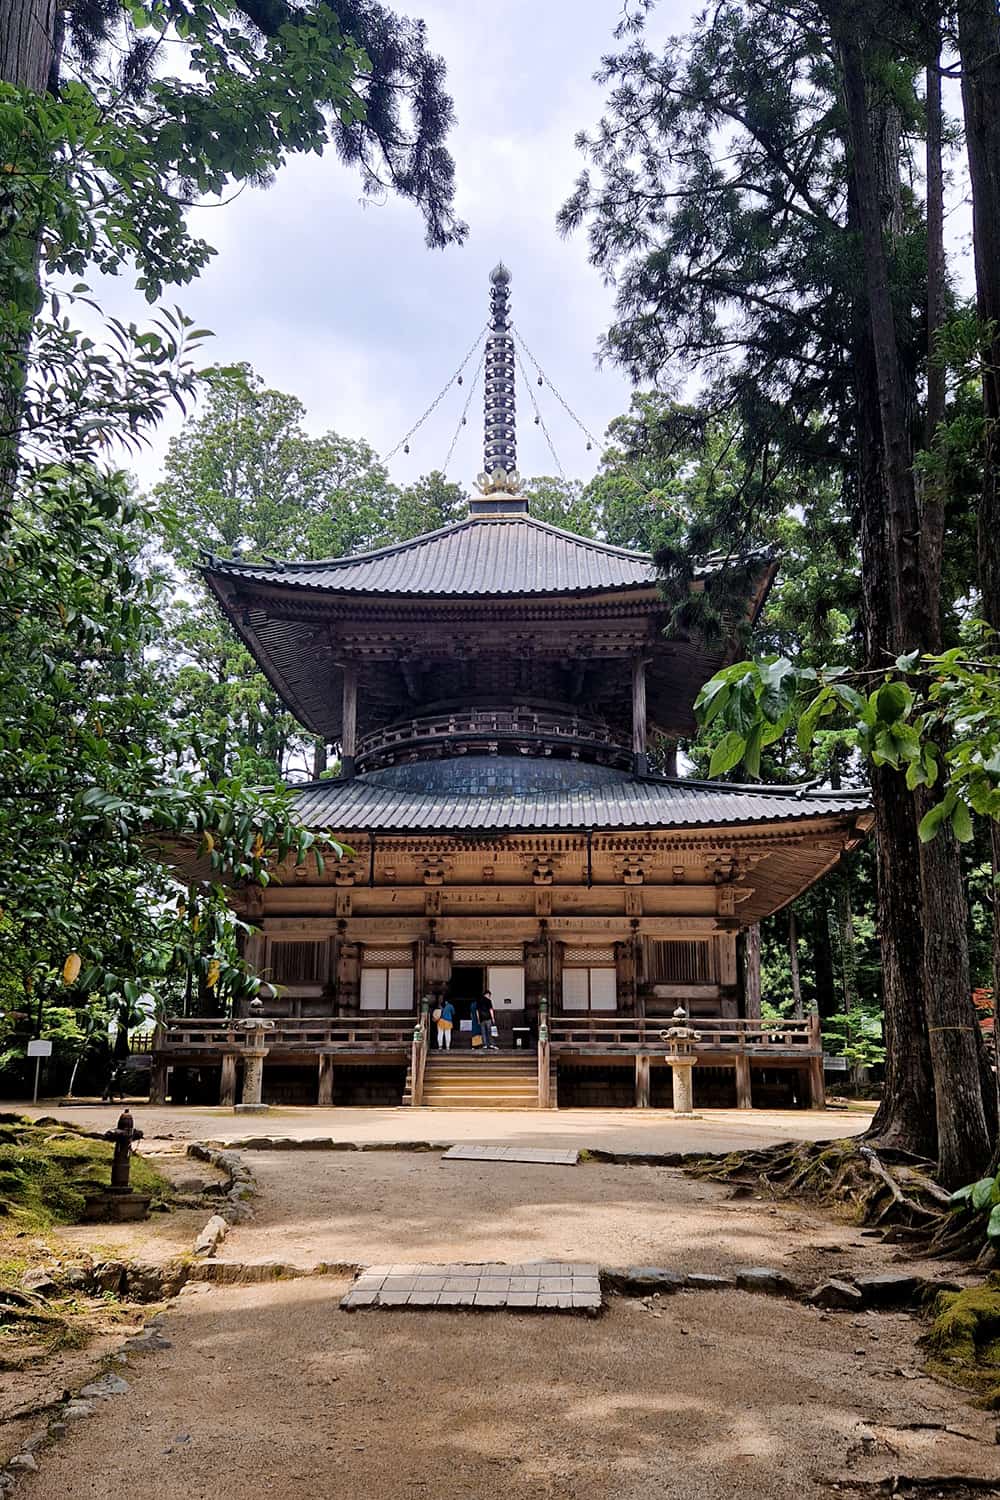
680,1040
121,1165
119,1201
256,1026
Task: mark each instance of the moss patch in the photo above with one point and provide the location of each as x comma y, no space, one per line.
963,1344
46,1168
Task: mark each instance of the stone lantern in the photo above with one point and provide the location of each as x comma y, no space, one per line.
680,1040
256,1025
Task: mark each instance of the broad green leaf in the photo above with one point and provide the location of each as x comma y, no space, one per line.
982,1192
891,701
932,819
961,823
993,1224
727,753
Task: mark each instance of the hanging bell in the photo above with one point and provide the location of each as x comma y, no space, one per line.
460,380
589,446
540,380
464,420
538,421
406,447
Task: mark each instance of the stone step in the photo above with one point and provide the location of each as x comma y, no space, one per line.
480,1101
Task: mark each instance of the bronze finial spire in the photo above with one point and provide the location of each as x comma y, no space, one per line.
500,433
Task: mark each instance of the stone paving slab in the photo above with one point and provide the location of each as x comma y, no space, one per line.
540,1286
532,1155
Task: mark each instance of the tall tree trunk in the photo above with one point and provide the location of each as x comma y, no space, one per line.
29,43
962,1134
30,53
822,954
845,943
931,490
750,965
979,49
793,960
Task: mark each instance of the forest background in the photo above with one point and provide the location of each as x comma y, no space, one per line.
768,193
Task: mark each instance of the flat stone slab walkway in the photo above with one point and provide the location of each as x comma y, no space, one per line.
541,1286
537,1155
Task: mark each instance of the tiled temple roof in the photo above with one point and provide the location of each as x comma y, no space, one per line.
614,800
480,556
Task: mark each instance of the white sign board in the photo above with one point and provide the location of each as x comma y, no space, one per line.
39,1048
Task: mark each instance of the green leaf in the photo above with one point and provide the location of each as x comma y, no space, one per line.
751,755
932,820
993,1224
961,823
891,702
727,753
960,1198
849,699
982,1192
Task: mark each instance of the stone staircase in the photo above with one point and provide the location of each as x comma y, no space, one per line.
469,1080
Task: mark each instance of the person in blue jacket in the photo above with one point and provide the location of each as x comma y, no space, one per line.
445,1018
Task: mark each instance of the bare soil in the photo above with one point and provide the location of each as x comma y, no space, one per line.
269,1390
377,1207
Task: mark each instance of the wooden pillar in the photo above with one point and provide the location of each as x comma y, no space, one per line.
349,721
227,1081
744,1091
325,1090
817,1087
639,715
158,1082
642,1080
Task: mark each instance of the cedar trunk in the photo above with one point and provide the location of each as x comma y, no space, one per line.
979,49
914,602
750,964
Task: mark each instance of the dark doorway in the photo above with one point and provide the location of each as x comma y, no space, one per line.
468,981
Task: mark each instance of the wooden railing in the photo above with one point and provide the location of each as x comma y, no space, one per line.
629,1034
495,723
338,1033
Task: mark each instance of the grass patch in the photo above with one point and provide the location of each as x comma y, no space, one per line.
46,1169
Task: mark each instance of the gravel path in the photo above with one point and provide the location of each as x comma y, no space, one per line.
616,1130
270,1391
375,1207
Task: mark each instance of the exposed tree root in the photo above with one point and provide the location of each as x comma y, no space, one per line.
886,1188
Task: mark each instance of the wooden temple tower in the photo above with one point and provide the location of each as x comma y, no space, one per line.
492,689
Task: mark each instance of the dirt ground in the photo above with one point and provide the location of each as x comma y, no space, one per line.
653,1130
270,1390
380,1207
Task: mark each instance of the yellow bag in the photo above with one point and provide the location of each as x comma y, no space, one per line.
477,1041
444,1025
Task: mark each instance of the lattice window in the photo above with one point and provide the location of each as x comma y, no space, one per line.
679,962
296,962
588,956
488,955
386,989
591,989
394,958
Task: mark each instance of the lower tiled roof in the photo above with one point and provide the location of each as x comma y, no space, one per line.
368,803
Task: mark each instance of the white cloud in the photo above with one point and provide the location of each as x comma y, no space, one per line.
339,301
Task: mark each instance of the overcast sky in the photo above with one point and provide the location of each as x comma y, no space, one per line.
339,301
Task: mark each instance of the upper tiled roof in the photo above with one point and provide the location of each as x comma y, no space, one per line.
368,803
483,555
